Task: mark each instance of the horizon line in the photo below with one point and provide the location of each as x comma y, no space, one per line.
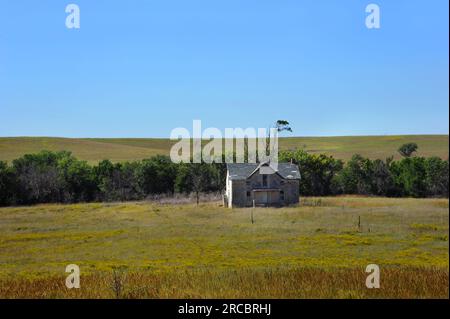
283,137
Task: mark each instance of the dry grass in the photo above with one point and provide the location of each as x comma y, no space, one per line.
170,199
396,282
319,249
128,149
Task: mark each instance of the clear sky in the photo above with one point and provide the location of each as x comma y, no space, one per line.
141,68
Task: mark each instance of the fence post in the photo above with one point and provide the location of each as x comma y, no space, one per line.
252,210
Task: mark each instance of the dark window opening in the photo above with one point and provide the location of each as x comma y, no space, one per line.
264,180
282,195
248,194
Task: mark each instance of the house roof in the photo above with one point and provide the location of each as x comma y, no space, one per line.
239,171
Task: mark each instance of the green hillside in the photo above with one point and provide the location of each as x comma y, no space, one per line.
125,149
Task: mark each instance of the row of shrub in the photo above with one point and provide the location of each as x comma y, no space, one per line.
408,177
58,177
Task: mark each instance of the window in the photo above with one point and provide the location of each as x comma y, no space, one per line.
264,182
281,195
248,194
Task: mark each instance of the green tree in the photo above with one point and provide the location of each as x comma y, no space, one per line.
78,180
6,184
156,175
282,125
118,181
407,149
197,178
357,176
279,126
437,175
382,181
38,179
317,171
410,176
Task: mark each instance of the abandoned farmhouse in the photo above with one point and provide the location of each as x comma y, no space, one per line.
262,183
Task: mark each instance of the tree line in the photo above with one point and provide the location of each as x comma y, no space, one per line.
409,177
59,177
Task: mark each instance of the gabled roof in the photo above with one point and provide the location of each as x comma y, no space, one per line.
239,171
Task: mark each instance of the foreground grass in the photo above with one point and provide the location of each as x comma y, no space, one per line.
318,249
128,149
397,282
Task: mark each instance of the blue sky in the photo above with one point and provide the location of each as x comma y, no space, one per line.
142,68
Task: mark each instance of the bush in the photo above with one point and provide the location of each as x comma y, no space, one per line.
317,172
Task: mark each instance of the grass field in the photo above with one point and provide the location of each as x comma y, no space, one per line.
316,250
125,149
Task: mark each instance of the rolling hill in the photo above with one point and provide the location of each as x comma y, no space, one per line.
126,149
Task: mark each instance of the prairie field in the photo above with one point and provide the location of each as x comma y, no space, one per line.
318,249
94,150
